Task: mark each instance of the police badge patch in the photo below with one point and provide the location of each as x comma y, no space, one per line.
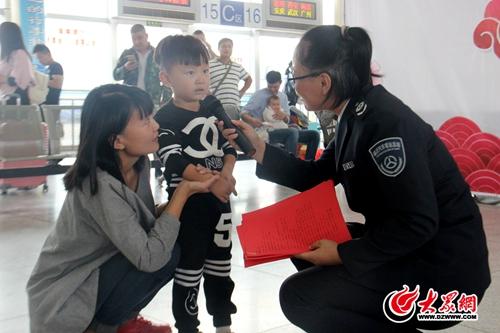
389,156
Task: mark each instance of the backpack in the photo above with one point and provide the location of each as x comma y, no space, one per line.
38,92
298,118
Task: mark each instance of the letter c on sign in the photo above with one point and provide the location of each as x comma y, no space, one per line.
230,17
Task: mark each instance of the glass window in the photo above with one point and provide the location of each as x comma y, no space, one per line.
83,50
274,54
155,35
87,8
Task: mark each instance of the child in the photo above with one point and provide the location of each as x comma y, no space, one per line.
273,106
111,249
270,122
188,137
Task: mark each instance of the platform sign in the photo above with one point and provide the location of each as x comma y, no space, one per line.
231,13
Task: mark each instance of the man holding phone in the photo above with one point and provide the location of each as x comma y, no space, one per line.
136,67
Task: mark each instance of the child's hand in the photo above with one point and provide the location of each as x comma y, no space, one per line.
192,187
203,187
279,115
222,189
230,178
204,171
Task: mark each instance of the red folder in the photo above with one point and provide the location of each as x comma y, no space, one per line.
290,226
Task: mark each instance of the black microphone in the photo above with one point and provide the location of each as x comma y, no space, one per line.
214,105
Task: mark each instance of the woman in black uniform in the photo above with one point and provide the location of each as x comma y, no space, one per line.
422,226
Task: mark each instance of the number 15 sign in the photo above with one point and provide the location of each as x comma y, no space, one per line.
231,13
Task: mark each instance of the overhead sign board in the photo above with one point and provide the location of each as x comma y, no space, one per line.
232,13
159,9
292,14
185,3
294,9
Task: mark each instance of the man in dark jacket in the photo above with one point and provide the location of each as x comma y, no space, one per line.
136,66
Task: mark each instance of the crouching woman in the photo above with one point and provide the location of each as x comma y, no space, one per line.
111,249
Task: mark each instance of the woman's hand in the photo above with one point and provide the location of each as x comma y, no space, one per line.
183,191
231,135
323,253
256,123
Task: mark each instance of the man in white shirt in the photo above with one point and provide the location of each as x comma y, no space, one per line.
225,76
252,113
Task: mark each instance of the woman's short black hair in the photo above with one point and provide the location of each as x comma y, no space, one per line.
105,114
180,50
343,52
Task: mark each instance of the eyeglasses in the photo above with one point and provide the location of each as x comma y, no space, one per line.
295,78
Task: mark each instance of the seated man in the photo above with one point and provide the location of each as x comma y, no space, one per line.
252,113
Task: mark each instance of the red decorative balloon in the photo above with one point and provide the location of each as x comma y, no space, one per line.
449,140
467,161
486,145
487,32
494,164
460,128
485,180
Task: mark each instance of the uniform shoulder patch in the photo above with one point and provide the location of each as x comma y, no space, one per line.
389,156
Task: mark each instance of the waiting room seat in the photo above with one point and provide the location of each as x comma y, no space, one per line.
52,116
22,132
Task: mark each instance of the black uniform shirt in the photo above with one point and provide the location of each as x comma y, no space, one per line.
422,226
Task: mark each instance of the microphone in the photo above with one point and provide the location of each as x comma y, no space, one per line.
214,105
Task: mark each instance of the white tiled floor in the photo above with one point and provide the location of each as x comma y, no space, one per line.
27,216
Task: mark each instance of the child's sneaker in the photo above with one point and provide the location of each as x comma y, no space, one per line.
141,325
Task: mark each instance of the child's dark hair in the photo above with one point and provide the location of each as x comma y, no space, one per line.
105,114
344,53
272,98
180,50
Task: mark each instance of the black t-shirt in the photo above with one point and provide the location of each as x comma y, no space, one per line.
55,68
188,137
